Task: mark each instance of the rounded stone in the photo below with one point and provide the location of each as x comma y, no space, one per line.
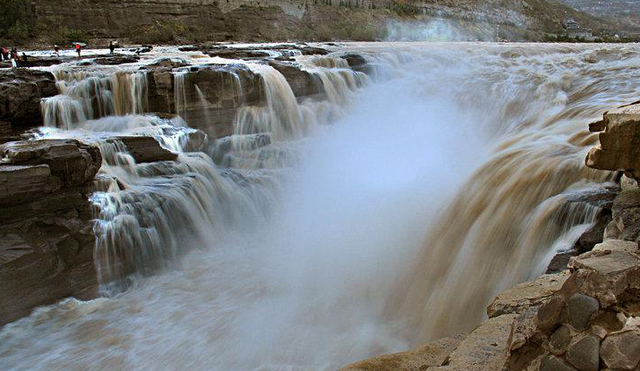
582,309
585,354
560,340
621,351
553,363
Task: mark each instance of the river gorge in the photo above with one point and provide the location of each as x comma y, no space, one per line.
295,207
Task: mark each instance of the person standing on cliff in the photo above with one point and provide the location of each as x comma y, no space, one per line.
78,49
112,47
56,48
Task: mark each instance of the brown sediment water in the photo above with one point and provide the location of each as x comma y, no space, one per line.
387,212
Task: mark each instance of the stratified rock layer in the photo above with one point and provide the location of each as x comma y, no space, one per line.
46,236
619,147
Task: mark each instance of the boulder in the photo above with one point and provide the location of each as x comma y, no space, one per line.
584,354
69,160
302,83
20,93
550,314
356,61
116,59
607,275
621,350
617,245
419,359
582,309
145,149
526,295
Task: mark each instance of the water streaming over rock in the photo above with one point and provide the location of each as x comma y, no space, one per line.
453,173
84,96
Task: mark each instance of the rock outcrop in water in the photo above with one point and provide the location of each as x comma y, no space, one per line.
208,98
20,94
51,225
46,233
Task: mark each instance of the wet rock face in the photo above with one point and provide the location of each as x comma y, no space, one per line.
212,109
20,94
46,234
145,149
302,83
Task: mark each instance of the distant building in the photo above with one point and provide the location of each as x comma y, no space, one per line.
575,31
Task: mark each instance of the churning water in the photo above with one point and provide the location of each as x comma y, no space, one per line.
388,214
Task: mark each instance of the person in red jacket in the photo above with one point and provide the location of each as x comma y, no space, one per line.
4,53
78,49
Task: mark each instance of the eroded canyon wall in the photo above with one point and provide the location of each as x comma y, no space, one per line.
266,20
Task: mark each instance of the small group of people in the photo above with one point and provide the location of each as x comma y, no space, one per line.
76,46
13,56
17,60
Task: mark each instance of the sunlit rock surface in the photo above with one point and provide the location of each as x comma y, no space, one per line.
619,146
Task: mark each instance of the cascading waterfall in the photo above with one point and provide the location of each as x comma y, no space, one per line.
263,134
84,97
179,92
280,117
453,173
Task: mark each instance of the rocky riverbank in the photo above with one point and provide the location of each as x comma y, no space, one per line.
584,318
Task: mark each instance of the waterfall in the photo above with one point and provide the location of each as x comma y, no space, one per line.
84,97
385,212
280,116
179,92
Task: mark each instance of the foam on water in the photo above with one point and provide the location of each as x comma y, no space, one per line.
390,221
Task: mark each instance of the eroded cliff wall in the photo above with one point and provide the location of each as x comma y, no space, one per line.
266,20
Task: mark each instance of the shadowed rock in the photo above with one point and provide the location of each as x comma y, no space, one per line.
20,93
46,233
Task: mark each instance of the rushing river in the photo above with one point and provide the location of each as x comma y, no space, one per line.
388,214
